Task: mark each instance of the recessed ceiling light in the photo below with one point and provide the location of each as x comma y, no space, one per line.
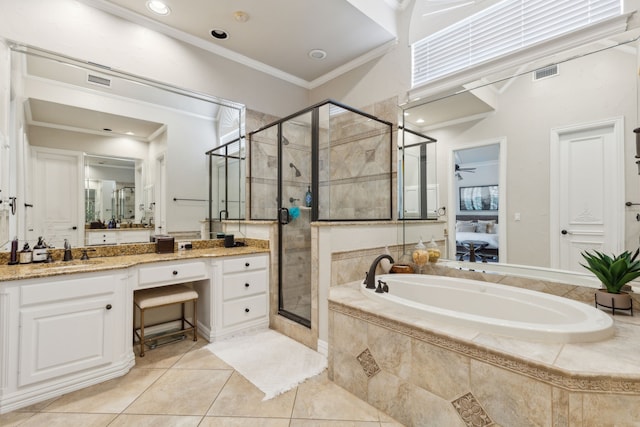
317,54
420,121
158,7
219,34
129,133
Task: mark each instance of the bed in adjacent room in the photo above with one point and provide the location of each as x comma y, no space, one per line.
477,228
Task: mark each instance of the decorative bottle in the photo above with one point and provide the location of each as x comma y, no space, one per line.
433,251
307,197
420,255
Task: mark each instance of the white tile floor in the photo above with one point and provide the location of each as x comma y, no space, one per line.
184,384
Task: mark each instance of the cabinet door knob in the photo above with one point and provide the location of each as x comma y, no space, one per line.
246,310
175,272
246,264
246,285
108,307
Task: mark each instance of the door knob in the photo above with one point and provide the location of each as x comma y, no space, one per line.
564,232
108,307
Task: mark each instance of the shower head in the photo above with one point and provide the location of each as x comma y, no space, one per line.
285,141
291,165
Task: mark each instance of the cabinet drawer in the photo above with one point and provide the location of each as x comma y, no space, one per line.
242,285
101,238
236,265
244,310
64,290
133,236
172,273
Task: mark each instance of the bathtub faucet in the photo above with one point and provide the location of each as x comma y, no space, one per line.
382,287
369,280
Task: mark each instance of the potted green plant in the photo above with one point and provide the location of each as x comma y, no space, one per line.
614,272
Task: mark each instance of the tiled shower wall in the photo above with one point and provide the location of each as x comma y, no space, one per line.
354,169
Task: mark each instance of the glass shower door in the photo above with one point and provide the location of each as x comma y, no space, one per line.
296,213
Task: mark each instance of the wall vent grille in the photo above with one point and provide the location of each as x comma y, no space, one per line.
98,80
546,72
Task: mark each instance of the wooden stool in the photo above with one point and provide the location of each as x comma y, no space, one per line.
146,299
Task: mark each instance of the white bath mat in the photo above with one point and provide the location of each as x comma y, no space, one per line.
271,361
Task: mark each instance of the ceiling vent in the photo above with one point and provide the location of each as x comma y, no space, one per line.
98,80
546,72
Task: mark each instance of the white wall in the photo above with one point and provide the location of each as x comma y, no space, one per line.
77,30
592,88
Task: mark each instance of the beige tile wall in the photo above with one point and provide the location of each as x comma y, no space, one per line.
422,378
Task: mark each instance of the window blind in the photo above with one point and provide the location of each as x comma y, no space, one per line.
502,29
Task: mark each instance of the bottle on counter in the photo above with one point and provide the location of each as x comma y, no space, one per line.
14,252
26,255
433,251
40,251
307,197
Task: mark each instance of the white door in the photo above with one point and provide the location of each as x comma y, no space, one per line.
587,191
58,197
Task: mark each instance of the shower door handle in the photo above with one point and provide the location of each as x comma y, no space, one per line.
283,216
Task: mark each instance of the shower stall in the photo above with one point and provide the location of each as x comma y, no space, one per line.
328,162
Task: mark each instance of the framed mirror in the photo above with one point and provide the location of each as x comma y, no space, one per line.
552,143
93,145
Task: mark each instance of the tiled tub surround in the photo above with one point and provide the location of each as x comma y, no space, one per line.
428,374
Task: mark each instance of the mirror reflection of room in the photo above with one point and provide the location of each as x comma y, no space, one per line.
536,112
476,188
108,139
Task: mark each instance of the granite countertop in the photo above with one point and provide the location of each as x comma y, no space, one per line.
92,230
132,255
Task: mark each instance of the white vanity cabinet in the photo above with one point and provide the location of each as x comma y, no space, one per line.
68,329
240,297
101,237
116,236
71,330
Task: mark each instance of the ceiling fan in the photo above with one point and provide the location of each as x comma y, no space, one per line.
460,169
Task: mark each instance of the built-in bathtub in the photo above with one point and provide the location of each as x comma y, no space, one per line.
423,369
496,309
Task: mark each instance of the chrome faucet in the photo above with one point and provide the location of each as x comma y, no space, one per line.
369,280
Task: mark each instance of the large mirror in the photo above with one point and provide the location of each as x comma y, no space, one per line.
538,163
95,149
